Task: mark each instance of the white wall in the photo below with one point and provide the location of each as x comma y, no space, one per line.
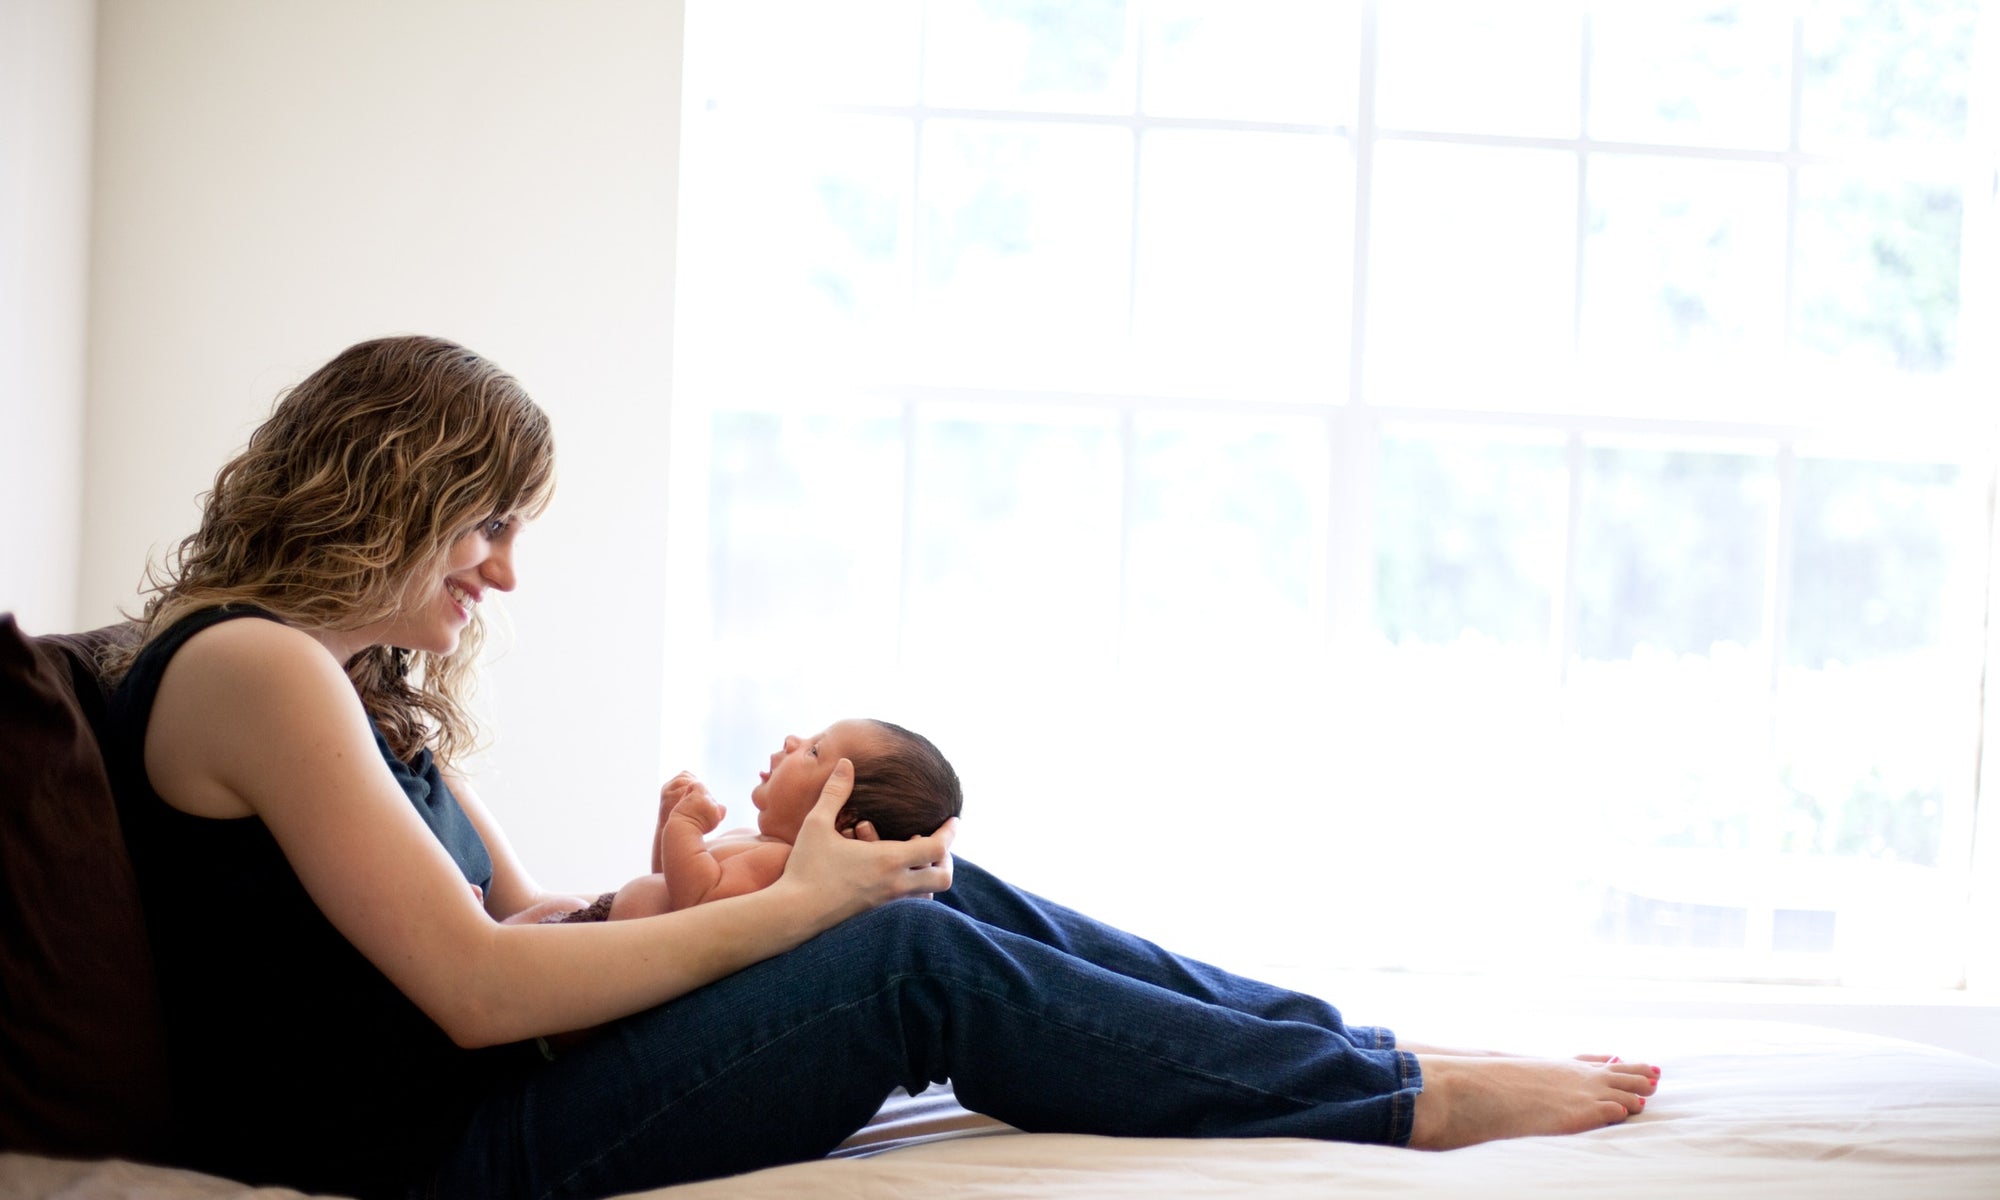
277,181
45,105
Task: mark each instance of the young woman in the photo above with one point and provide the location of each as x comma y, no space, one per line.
344,1015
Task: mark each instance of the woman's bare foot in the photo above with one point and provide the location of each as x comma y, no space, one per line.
1466,1101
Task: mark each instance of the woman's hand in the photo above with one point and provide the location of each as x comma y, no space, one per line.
856,873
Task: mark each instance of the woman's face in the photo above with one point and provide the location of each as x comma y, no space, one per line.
438,604
787,792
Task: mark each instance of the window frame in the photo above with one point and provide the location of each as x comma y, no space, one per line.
1354,422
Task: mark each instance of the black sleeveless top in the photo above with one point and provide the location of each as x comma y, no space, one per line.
294,1060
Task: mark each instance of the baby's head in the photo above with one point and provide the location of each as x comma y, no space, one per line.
902,784
905,787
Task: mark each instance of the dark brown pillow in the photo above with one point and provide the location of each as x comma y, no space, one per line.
82,1071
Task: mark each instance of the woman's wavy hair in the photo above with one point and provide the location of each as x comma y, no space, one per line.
905,787
358,483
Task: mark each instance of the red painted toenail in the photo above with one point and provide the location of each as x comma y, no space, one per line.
1614,1058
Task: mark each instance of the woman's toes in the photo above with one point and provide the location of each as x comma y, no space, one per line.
1634,1077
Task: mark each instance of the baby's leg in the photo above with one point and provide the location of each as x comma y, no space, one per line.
645,896
542,910
1466,1101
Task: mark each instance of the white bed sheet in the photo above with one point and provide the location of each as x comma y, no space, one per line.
1747,1109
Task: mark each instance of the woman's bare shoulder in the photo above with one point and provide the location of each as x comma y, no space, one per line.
238,695
251,662
245,642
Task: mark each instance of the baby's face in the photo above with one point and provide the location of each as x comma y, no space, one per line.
787,792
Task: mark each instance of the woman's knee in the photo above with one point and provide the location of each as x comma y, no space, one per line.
909,935
911,919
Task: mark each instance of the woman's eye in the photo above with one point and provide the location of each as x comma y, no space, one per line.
815,750
496,527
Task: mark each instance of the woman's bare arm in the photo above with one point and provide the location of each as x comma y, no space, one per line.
256,718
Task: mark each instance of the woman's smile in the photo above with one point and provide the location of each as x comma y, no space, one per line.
463,597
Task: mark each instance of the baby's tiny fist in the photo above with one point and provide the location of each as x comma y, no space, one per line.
700,808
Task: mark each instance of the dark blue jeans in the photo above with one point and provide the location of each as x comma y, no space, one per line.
1038,1015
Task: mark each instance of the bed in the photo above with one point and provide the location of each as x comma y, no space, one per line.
1744,1109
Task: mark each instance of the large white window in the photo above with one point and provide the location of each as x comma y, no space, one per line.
1418,483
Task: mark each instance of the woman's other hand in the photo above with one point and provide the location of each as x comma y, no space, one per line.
858,869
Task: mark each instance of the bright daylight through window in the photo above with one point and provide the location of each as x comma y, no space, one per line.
1421,483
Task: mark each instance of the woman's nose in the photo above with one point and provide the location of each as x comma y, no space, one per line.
791,743
498,569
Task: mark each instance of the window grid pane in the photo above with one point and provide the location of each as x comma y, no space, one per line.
1602,537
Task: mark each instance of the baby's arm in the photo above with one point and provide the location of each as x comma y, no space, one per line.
675,790
695,873
748,867
689,870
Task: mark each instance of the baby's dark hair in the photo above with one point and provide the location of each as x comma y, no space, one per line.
907,790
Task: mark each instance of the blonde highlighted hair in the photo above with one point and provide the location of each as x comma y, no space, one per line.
359,481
